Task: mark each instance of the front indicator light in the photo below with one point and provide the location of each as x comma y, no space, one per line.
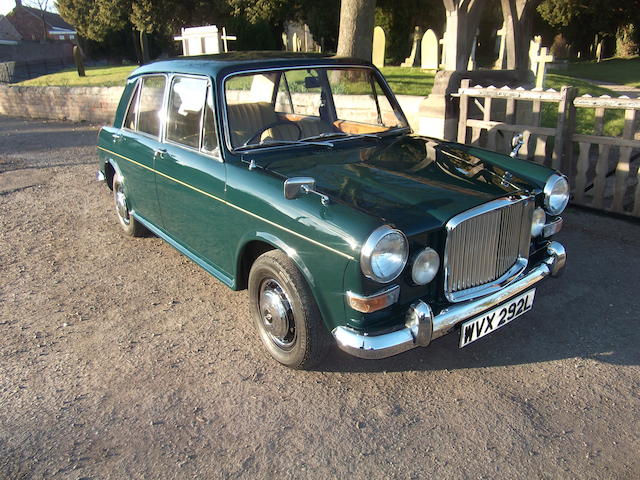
375,302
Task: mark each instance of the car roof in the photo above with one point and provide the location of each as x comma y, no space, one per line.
223,63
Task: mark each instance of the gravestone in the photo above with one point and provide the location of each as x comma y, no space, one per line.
378,47
429,51
285,41
200,40
471,64
414,57
77,58
599,51
295,42
541,60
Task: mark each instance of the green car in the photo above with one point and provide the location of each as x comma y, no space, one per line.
298,178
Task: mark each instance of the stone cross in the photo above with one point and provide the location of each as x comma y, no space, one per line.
378,47
534,51
225,38
501,63
429,51
542,61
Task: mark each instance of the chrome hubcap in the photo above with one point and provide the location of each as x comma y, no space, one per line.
276,314
121,204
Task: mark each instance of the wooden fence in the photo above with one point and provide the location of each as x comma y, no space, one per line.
592,140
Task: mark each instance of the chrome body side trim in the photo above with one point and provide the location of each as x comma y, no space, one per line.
422,324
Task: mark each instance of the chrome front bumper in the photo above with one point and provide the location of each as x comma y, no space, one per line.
422,326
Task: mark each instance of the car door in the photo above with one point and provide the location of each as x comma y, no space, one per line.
137,144
191,175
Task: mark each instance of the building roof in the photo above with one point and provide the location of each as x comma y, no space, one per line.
224,63
52,19
8,31
28,23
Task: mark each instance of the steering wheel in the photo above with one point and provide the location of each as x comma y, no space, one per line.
259,133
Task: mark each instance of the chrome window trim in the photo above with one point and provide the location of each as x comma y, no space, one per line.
139,82
126,112
481,290
370,244
397,109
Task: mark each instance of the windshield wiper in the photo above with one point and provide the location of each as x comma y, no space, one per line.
279,143
340,135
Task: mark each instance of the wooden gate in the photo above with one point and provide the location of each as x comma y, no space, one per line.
600,156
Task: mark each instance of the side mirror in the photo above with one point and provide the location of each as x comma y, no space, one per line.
297,186
516,144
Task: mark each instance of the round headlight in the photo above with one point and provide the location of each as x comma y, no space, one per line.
384,254
538,221
556,194
425,266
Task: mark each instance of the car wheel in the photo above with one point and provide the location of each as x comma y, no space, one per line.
285,313
130,226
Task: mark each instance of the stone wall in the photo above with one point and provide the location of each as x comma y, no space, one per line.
90,104
98,104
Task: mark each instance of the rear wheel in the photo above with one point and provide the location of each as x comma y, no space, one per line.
285,313
130,226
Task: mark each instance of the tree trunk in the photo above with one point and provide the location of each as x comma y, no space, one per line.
518,20
357,18
463,18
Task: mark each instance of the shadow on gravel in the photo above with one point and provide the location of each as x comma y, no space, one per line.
589,312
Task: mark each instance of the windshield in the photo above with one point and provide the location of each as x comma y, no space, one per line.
290,107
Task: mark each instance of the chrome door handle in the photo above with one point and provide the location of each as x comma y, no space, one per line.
158,152
117,137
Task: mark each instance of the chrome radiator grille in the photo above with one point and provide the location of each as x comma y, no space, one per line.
486,246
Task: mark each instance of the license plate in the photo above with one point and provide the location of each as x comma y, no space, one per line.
490,321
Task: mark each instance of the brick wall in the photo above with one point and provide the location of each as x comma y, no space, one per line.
90,104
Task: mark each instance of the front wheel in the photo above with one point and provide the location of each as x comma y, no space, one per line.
285,313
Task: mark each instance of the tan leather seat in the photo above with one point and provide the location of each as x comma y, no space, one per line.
246,119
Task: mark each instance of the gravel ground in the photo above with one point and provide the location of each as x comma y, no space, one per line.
120,358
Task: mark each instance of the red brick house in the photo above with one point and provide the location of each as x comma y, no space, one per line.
40,26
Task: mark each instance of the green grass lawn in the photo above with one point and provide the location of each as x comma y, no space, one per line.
624,71
409,81
96,77
403,81
614,119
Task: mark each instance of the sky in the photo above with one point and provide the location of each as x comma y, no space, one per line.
7,5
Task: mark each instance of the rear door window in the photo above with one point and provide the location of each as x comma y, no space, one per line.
186,104
150,104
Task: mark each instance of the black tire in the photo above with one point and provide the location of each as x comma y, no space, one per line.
130,226
305,344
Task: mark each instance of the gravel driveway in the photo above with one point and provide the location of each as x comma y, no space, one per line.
120,358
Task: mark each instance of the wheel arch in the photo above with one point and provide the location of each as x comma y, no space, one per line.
257,244
111,169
